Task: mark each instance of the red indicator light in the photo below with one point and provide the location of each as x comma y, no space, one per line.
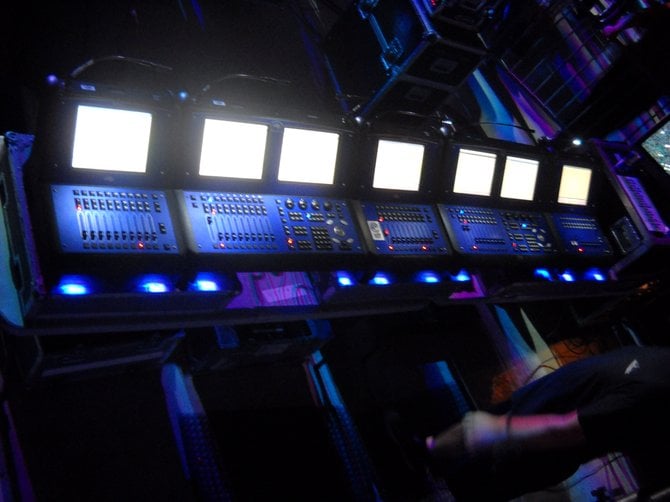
140,245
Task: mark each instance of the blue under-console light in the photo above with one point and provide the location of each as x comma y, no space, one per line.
428,277
206,282
462,276
153,284
74,285
380,279
567,276
344,279
594,274
543,273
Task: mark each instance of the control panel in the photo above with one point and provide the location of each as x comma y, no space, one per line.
490,231
580,234
110,220
403,229
244,223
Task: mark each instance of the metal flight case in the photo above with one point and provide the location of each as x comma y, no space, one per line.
394,56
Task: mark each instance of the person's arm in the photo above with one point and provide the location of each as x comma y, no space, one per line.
480,432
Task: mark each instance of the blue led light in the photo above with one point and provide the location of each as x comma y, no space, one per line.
461,276
567,276
428,276
344,279
380,279
153,284
206,282
74,285
543,273
594,274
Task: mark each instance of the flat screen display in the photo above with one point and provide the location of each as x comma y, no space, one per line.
658,147
308,156
233,149
474,172
111,139
519,178
398,165
575,185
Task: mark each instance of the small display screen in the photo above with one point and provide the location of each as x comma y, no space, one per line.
308,156
658,147
111,139
575,185
519,178
233,149
474,172
398,165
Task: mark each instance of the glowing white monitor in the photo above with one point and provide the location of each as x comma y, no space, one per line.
308,156
519,178
474,172
233,149
398,165
111,139
575,184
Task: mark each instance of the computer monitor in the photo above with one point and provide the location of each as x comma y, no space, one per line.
233,149
575,185
308,156
398,165
657,146
111,139
519,178
474,172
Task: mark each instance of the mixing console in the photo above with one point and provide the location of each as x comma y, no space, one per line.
403,229
478,230
581,235
242,223
97,219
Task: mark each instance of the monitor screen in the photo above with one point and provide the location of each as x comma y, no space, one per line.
474,172
519,178
308,156
398,165
111,139
658,146
575,185
233,149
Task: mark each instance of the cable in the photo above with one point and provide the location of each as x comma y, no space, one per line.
140,62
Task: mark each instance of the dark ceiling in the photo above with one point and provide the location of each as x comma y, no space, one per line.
229,47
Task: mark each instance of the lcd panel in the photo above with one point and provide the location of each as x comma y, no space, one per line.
233,149
519,178
398,165
308,156
658,146
111,139
575,185
474,172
